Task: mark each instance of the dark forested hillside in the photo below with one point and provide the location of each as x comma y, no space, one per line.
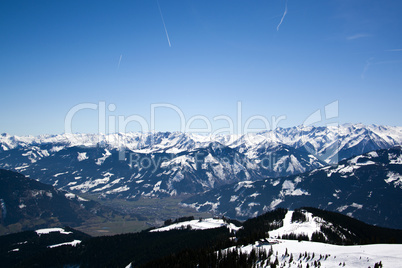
15,249
27,204
120,250
185,247
354,231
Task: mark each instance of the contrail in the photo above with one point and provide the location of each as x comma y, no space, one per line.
366,67
284,14
163,21
370,63
118,65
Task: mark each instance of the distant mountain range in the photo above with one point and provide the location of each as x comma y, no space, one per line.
367,187
135,165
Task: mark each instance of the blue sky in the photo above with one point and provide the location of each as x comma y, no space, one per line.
55,55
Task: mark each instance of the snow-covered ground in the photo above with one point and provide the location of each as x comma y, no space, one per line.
51,230
72,243
365,256
308,228
328,255
203,224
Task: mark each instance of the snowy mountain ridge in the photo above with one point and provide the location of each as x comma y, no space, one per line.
317,139
367,187
160,164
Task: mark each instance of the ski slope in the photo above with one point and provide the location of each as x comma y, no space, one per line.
308,228
203,224
365,256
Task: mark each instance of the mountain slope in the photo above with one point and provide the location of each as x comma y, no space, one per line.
28,204
25,245
367,187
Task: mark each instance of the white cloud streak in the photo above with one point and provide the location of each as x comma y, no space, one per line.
357,36
283,16
163,21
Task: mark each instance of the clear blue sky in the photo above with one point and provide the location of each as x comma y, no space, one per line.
55,55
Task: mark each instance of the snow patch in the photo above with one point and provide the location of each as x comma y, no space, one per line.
394,178
52,230
342,208
361,256
72,243
102,159
233,198
119,190
275,203
244,184
69,195
254,195
202,224
355,205
82,156
288,188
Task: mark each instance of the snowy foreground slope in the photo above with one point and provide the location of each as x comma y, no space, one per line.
293,253
390,255
308,227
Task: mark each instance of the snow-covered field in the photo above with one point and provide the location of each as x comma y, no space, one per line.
303,253
365,256
203,224
52,230
328,255
308,228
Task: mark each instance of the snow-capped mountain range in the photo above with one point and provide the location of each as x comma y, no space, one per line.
159,164
367,187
